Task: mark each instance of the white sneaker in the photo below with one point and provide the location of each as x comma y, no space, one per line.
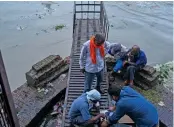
119,71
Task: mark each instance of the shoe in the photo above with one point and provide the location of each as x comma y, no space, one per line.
126,83
131,83
119,72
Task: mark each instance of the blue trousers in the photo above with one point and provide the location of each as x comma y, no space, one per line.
118,66
130,70
89,78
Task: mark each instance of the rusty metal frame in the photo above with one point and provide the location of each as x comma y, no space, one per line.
88,12
69,72
76,44
104,22
6,100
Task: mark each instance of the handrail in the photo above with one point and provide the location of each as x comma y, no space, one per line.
74,17
104,22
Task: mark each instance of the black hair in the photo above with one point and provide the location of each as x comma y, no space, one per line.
99,38
114,90
135,50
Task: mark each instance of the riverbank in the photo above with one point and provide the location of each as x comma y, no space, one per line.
32,104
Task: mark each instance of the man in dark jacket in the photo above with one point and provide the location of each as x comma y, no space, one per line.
133,60
130,102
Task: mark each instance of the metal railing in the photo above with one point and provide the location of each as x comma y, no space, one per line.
8,116
91,10
104,22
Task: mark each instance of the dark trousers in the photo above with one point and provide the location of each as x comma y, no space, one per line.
89,77
80,122
130,72
77,121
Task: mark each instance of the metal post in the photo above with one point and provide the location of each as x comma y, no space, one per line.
102,16
94,11
74,16
88,23
100,13
88,11
81,10
107,32
94,19
9,110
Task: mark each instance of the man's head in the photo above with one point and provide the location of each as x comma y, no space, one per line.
93,95
135,50
104,124
99,39
116,49
114,92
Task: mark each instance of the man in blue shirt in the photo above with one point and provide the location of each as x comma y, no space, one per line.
133,60
79,111
130,102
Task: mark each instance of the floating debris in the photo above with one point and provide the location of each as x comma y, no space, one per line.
62,77
59,27
161,103
44,31
39,17
20,28
46,91
39,90
50,84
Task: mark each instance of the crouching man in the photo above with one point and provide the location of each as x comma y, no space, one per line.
131,103
79,112
117,49
133,60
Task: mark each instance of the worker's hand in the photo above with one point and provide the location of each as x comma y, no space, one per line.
129,54
102,115
82,70
125,62
132,63
112,108
113,73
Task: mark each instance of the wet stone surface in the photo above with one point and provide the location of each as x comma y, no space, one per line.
54,116
29,102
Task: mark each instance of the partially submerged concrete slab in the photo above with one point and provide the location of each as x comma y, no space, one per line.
29,102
